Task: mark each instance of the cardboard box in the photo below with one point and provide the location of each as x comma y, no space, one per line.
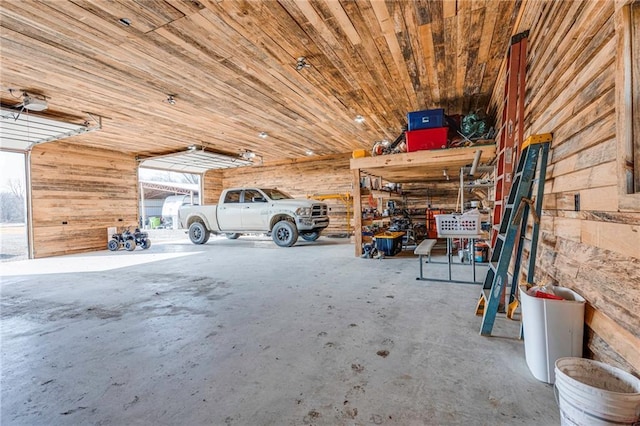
426,119
425,139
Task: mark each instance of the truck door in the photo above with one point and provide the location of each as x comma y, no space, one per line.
253,205
230,212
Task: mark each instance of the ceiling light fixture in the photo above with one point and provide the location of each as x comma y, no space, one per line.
248,155
309,152
359,119
171,99
125,21
263,135
302,63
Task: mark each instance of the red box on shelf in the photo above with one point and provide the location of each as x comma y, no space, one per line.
426,139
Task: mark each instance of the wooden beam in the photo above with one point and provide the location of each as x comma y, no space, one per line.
439,157
357,212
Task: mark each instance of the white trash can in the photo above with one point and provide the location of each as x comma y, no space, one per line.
552,329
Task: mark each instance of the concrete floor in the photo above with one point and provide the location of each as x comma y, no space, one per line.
245,333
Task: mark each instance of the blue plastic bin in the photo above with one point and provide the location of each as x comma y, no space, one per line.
426,119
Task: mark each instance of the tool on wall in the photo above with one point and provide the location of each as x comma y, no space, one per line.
535,153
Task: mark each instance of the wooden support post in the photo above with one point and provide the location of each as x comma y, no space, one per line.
143,210
357,212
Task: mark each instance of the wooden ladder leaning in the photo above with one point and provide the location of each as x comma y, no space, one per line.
535,152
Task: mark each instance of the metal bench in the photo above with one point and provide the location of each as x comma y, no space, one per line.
424,249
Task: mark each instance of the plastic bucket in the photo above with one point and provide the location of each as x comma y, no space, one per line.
553,329
594,393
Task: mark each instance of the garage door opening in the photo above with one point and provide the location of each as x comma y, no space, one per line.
162,193
13,207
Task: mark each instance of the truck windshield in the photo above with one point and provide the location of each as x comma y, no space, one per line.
276,194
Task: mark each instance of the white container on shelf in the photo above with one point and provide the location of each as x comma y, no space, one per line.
553,329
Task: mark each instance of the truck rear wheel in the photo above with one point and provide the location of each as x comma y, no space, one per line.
198,233
310,236
233,236
284,233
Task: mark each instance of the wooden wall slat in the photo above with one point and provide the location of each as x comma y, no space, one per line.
590,247
77,185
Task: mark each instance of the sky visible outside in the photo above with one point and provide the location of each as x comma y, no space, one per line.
11,167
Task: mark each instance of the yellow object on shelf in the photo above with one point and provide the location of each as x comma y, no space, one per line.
359,153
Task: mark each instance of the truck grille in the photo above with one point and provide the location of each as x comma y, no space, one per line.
319,210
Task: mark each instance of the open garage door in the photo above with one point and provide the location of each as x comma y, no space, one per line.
194,161
21,130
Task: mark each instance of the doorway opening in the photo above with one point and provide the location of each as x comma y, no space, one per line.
14,241
162,193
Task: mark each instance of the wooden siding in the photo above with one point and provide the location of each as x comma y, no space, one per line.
591,247
78,192
213,186
300,178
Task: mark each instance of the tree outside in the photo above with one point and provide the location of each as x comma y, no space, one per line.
13,231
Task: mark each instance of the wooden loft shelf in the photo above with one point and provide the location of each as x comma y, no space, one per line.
378,193
422,166
410,167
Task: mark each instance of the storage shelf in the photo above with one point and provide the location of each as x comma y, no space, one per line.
378,193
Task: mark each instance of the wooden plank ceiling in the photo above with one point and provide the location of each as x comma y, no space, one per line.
231,66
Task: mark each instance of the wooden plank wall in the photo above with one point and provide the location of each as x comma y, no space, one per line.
213,186
300,178
77,193
440,196
325,175
591,247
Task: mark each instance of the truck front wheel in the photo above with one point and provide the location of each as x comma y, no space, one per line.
284,233
198,233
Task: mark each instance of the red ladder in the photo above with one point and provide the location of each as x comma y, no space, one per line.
512,128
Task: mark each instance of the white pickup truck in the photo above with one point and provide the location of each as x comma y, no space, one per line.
256,210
